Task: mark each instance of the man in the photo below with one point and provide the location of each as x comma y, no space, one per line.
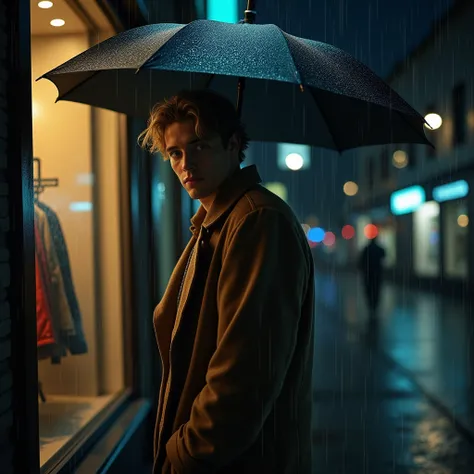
371,267
235,325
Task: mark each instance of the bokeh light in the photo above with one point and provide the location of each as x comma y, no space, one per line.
463,220
329,239
350,188
348,232
371,231
316,234
400,159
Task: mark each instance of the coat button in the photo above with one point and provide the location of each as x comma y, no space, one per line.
202,243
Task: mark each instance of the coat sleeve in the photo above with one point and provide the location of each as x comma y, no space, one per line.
263,281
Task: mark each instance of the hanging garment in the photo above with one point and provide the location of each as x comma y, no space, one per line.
76,343
47,334
59,304
44,324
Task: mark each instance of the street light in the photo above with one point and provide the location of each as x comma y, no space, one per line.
434,121
294,161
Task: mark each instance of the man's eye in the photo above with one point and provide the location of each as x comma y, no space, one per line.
174,154
200,146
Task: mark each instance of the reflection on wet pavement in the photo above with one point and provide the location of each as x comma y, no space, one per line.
368,416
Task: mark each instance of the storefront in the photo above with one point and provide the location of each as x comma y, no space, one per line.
425,230
88,237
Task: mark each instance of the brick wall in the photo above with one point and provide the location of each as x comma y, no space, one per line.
19,445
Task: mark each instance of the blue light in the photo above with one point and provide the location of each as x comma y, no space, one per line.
316,234
447,192
80,206
222,10
407,200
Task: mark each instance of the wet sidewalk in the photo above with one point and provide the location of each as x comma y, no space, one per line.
369,417
430,336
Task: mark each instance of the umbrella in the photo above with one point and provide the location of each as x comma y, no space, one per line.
296,90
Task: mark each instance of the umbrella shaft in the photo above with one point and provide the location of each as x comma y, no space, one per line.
250,13
240,95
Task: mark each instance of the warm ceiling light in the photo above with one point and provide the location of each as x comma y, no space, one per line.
57,22
45,5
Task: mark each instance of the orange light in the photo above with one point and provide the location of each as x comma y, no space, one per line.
312,244
371,231
329,239
348,232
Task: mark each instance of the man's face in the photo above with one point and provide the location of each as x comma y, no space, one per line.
201,165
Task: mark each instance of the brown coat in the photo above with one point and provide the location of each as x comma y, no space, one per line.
238,395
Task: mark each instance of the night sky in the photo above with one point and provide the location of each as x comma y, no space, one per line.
376,32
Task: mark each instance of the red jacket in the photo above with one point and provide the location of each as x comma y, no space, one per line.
44,322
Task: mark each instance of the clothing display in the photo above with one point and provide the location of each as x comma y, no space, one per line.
58,317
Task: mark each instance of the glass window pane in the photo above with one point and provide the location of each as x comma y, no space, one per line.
456,222
77,232
426,239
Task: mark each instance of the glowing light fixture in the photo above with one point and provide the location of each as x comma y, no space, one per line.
434,121
463,220
294,161
450,191
222,10
407,200
57,22
350,188
45,5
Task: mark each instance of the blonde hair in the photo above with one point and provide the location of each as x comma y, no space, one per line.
210,112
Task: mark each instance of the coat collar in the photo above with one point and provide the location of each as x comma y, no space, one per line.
231,190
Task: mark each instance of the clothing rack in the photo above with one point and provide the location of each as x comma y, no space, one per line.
39,183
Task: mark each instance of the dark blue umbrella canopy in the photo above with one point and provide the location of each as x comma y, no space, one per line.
296,90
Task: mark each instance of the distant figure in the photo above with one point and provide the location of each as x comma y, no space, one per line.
370,265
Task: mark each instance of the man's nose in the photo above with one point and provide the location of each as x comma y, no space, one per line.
189,162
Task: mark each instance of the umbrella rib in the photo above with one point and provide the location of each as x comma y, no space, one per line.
297,73
153,54
300,82
336,147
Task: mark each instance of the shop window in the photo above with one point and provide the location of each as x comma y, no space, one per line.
78,252
426,230
387,239
459,114
455,228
